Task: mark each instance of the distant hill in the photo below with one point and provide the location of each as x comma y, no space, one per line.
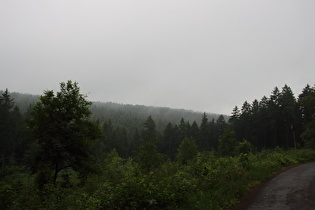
125,115
22,100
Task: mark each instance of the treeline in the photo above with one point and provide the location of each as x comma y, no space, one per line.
123,125
206,135
12,131
125,128
126,114
22,100
280,120
57,156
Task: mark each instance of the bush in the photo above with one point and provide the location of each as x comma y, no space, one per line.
208,182
187,151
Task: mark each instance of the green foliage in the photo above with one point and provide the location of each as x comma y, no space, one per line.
244,149
149,132
10,128
148,157
220,184
227,144
63,143
308,136
61,127
274,121
207,183
306,102
187,151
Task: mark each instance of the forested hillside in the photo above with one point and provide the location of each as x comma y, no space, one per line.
66,152
278,120
22,100
124,114
124,122
281,120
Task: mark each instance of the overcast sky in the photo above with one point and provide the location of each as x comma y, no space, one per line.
200,55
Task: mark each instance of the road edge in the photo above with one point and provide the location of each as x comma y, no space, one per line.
246,200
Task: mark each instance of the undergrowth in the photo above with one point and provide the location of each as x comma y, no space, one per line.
207,182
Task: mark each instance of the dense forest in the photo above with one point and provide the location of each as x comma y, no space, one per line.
123,123
280,120
113,156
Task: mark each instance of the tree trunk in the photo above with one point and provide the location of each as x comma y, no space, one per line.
56,172
2,162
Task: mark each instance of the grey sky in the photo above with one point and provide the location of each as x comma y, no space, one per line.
200,55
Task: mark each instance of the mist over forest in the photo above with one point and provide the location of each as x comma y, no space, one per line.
122,114
277,120
59,147
180,104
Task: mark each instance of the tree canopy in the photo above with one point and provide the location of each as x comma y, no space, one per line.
61,127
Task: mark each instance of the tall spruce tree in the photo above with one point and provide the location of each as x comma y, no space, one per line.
147,155
194,131
149,133
10,118
264,134
288,109
275,117
204,143
245,120
306,103
169,141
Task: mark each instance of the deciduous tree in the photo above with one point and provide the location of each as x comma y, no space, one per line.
187,151
61,127
228,144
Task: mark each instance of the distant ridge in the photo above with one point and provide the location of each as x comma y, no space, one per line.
121,114
22,100
141,111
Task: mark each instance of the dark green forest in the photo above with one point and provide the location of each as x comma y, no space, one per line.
61,151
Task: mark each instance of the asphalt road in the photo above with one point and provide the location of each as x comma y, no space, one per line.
291,189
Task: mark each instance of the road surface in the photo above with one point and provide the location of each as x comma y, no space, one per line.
291,189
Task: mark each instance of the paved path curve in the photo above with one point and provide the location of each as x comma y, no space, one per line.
291,189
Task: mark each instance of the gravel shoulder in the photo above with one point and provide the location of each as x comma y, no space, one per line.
293,188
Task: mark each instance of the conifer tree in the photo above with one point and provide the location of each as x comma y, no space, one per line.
306,103
195,131
9,120
149,132
169,140
288,110
204,131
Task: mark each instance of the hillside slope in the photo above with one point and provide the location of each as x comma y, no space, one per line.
125,114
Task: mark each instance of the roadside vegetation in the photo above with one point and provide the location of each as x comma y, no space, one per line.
205,182
55,157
